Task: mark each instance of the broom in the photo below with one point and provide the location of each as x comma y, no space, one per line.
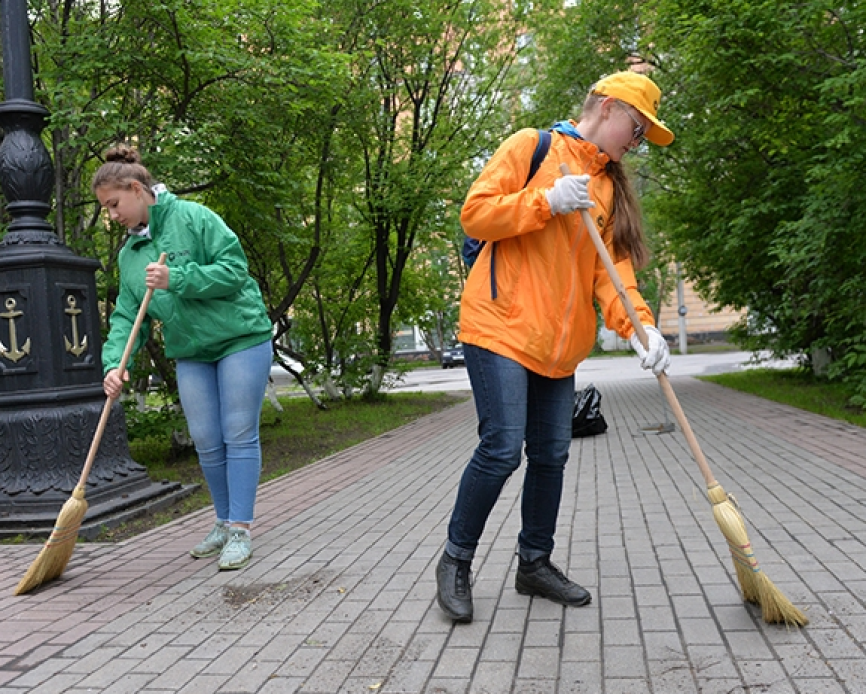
57,551
756,586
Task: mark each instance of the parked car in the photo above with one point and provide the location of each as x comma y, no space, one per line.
452,356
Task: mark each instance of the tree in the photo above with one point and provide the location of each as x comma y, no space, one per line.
428,92
761,200
212,92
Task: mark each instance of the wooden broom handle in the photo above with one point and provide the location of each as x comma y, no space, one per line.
644,340
106,409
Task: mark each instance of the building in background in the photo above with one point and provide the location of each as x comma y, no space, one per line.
686,319
697,324
702,323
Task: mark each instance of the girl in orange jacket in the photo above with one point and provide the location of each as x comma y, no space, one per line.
527,319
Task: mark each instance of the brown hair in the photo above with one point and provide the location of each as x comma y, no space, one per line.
628,236
122,166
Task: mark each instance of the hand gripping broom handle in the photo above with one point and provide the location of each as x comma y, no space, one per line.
642,336
106,409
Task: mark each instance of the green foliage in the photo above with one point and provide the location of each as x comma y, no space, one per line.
760,199
152,423
850,369
576,45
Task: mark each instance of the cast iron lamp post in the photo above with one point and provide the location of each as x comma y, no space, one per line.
50,346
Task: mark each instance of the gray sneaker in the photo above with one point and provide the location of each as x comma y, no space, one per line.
213,543
238,550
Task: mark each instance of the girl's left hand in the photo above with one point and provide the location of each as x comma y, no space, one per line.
156,276
657,355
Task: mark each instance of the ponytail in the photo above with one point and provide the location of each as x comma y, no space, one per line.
628,236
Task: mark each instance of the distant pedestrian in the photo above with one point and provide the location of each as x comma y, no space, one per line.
215,325
527,320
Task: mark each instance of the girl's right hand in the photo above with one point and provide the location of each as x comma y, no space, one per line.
569,193
113,385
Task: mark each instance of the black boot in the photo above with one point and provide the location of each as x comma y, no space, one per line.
543,579
454,591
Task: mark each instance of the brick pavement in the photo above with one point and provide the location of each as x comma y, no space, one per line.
340,596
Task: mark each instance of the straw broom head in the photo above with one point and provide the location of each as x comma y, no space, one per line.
57,551
756,586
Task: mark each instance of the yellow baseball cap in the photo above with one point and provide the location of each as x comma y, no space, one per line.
641,92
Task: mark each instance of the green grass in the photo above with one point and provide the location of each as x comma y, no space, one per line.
797,388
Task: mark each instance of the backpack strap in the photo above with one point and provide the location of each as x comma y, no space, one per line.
541,150
542,147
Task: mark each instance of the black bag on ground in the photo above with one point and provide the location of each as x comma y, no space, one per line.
587,419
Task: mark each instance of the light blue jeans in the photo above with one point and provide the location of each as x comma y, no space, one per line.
515,406
222,402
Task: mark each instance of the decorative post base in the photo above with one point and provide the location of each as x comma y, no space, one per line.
42,453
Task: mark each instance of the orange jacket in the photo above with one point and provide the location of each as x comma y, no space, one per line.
547,269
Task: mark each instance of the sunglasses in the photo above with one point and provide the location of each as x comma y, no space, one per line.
639,131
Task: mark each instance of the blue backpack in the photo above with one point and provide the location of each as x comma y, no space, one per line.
472,247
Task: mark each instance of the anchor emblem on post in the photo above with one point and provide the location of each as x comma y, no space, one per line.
75,347
13,353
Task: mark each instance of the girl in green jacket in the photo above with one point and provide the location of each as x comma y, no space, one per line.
215,326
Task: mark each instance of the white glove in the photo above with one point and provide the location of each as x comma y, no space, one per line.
657,356
569,193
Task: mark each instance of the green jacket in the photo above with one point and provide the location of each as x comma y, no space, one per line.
212,307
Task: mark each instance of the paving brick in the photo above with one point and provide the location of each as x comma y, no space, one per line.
58,683
538,662
128,684
274,685
492,677
581,677
618,608
535,686
107,674
621,632
302,662
623,662
250,678
328,676
714,662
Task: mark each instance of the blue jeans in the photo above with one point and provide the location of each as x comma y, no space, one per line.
514,406
222,402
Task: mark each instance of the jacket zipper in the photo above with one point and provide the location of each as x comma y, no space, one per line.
567,324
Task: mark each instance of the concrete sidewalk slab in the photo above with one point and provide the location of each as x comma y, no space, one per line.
340,596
